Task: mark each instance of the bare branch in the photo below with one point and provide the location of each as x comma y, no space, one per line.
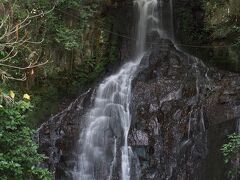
9,56
30,66
35,42
10,42
20,26
2,26
43,13
23,78
4,20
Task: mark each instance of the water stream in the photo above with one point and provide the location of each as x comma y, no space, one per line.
109,119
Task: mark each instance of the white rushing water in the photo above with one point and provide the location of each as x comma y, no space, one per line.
109,118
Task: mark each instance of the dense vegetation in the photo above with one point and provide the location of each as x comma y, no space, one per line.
223,21
18,153
55,48
231,151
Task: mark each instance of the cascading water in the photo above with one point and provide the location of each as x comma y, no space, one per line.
109,119
166,23
171,20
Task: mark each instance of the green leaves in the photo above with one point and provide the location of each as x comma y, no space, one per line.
222,22
19,156
2,54
231,151
70,35
67,37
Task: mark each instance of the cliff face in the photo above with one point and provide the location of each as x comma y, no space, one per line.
178,106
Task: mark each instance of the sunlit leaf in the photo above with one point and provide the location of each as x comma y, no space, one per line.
26,96
12,94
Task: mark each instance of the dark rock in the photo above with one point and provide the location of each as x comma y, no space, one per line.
176,99
58,136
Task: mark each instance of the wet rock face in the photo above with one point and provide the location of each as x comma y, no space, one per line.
58,136
175,99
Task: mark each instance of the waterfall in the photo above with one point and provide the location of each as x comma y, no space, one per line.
166,23
109,119
171,21
148,22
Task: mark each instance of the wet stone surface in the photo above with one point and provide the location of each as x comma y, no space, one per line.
176,99
58,137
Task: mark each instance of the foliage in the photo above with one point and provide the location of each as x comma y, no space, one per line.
72,27
215,25
76,48
16,45
231,153
223,20
19,158
67,37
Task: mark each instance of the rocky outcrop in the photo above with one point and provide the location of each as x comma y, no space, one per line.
176,102
58,136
